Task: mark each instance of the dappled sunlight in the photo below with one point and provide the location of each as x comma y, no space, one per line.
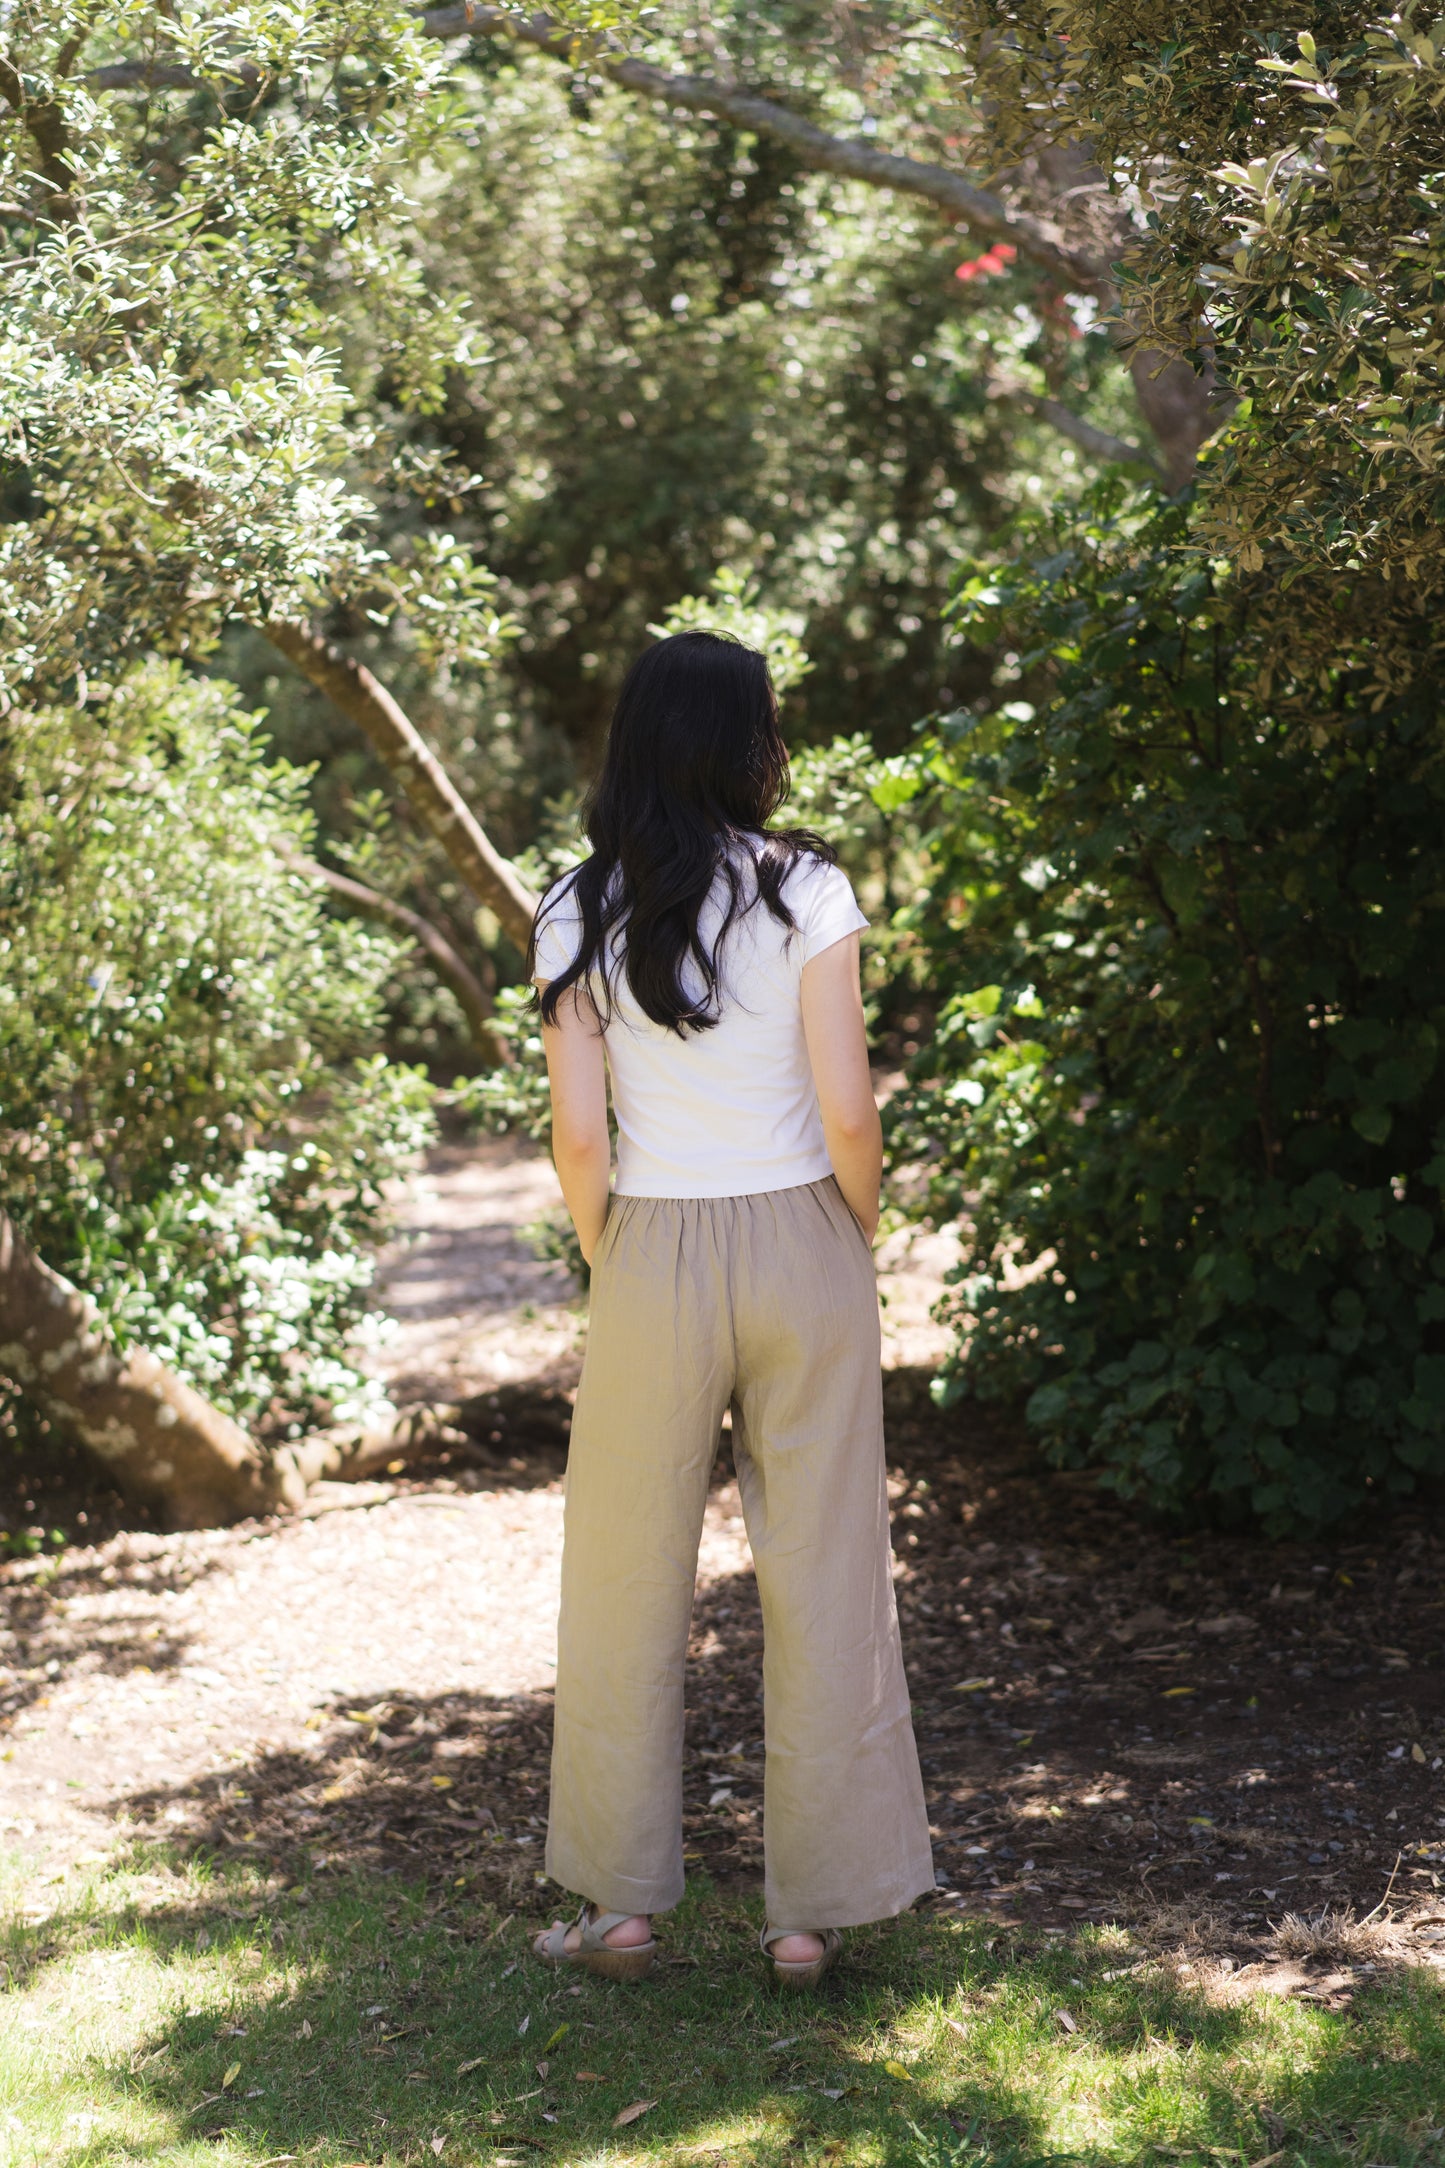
167,2006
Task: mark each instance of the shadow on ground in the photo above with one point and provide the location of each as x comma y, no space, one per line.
360,2017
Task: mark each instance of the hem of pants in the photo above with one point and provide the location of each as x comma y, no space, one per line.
860,1912
611,1892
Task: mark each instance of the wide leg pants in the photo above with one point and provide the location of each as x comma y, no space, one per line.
766,1304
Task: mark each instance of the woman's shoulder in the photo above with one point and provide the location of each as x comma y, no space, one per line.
820,897
814,872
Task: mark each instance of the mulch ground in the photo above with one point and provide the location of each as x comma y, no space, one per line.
1115,1722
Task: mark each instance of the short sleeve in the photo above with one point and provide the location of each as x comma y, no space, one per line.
827,911
558,926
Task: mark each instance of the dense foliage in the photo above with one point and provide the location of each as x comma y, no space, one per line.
695,354
1290,160
184,440
194,1124
1187,1093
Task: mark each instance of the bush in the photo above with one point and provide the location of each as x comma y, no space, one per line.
1187,1093
191,1127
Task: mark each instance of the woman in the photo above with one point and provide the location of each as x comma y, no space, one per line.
709,964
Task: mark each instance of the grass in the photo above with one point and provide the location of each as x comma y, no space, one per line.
166,2011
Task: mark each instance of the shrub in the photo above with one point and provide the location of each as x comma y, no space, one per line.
1186,1092
190,1124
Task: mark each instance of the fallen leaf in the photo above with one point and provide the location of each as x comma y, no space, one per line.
1066,2020
437,2144
589,2077
1417,1752
954,2027
334,1791
1172,1693
560,2034
230,2078
441,1784
524,2024
1150,1621
972,1686
305,2028
789,2040
543,2067
896,2070
475,2064
630,2113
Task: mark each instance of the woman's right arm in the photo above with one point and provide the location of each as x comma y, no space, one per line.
581,1147
838,1053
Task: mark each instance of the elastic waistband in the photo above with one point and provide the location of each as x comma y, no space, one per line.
827,1182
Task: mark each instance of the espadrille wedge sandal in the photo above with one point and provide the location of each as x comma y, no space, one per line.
809,1973
593,1953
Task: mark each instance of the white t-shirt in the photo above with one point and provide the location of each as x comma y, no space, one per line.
729,1111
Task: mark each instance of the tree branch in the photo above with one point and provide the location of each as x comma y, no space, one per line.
1098,443
492,879
983,212
978,208
448,965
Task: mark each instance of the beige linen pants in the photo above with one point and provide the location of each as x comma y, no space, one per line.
766,1304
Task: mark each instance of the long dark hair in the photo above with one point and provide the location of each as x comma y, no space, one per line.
695,768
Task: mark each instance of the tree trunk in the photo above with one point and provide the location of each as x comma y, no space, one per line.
159,1439
1182,407
492,879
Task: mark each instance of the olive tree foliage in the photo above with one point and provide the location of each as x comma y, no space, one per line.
200,280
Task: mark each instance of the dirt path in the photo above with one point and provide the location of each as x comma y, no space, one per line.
1113,1723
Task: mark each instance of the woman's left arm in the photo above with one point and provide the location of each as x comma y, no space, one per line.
581,1147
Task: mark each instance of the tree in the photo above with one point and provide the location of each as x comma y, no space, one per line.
184,446
195,1125
1291,247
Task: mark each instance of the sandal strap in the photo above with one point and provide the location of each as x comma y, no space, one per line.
597,1926
553,1944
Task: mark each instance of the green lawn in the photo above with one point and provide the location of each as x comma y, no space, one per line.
161,2012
